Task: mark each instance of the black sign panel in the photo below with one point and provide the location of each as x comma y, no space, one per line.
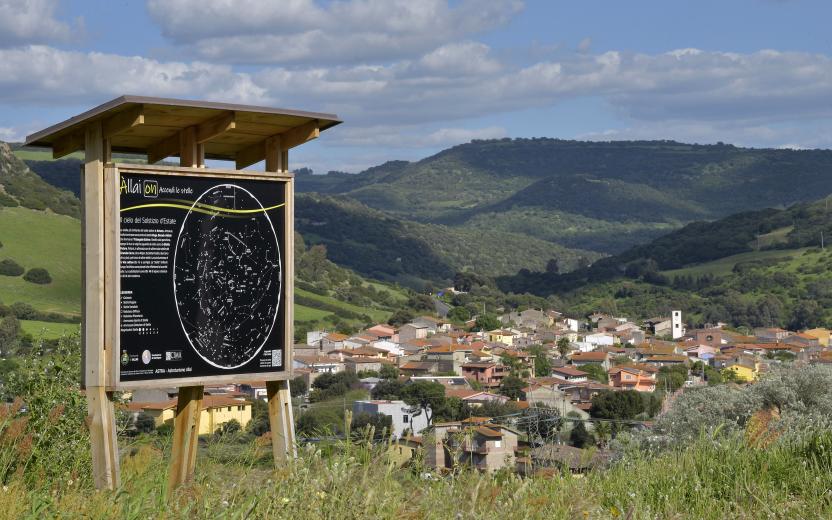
202,262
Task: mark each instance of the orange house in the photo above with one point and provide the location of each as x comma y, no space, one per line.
632,379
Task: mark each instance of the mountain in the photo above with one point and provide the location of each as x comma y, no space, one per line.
761,268
20,186
387,248
602,196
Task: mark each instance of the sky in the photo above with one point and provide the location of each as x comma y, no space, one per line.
412,77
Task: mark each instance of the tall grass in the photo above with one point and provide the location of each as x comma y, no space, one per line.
710,479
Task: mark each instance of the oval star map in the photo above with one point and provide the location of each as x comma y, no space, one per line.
227,276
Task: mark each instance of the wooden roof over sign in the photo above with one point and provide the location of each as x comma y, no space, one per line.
152,126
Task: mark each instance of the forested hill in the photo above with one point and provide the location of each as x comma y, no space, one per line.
19,186
603,196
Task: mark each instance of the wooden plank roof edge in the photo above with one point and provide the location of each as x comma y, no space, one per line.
326,120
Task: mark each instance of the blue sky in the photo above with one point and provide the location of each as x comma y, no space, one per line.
411,78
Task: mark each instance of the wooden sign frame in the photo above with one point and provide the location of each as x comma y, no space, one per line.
191,130
112,284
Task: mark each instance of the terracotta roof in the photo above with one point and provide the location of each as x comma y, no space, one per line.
462,393
590,356
418,365
671,358
334,336
208,401
569,371
488,432
479,365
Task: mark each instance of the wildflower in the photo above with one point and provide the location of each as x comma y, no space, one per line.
285,500
5,489
225,503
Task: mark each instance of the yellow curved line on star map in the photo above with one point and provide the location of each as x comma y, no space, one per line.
212,210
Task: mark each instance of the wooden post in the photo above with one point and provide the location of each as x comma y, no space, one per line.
101,416
189,400
279,395
185,435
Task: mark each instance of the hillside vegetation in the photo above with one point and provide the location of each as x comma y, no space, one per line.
714,271
584,194
387,248
20,186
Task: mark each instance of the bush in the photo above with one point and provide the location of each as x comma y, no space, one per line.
145,423
9,267
38,275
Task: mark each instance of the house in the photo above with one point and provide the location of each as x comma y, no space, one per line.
562,456
771,334
433,324
449,358
410,332
808,340
489,375
506,337
318,364
359,364
449,382
662,326
599,358
382,331
742,371
629,378
661,360
570,374
550,395
711,337
332,341
418,368
600,339
475,398
485,447
216,411
403,420
822,335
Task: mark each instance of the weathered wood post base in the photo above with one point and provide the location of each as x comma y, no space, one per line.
101,422
185,436
281,421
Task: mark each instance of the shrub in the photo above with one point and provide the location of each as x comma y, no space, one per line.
9,267
38,275
145,423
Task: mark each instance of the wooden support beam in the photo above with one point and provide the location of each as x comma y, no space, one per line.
67,144
301,134
188,148
215,127
120,122
288,139
281,421
101,416
274,154
164,148
185,436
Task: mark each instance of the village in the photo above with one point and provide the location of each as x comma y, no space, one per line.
540,371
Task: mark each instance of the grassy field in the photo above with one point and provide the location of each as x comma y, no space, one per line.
375,314
304,313
41,239
48,330
723,266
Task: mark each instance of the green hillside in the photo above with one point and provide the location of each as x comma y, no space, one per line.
387,248
603,196
760,268
20,186
35,238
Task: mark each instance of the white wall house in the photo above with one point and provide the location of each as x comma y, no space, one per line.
398,411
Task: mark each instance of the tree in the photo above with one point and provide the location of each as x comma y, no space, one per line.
512,386
563,347
603,431
38,275
145,423
579,437
229,427
542,365
617,405
9,267
426,395
488,322
552,266
400,317
298,386
259,423
390,389
388,372
9,331
595,372
671,378
459,314
363,421
421,303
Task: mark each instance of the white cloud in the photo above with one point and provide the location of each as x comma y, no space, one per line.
33,21
304,31
45,75
413,136
10,135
